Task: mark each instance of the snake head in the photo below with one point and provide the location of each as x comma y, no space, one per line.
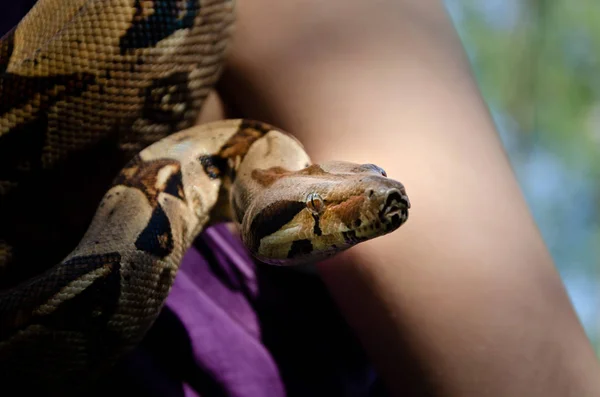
307,215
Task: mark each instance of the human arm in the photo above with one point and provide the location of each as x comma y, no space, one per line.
464,299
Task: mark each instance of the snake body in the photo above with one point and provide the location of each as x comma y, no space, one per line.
66,322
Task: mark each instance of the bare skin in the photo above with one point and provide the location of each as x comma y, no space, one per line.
464,300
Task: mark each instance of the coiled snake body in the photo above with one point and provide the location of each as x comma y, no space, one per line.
84,85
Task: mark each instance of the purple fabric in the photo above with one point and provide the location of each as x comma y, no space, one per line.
223,329
234,328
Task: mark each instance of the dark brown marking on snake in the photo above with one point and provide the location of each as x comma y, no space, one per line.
164,96
18,306
143,175
395,221
21,149
163,22
174,185
214,166
350,237
317,228
17,90
235,149
95,304
263,128
394,196
156,238
240,142
273,217
300,248
139,11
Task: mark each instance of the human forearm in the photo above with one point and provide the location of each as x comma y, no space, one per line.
466,290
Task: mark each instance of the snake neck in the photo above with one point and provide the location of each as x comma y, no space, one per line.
186,182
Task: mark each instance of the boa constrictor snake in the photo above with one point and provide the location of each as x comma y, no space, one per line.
85,85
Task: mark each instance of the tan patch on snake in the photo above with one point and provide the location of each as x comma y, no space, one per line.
267,177
313,170
349,210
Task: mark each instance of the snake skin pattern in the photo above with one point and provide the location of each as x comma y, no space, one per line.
90,89
84,86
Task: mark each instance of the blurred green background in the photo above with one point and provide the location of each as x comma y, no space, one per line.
538,66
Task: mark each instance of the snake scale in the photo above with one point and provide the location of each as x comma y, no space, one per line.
93,89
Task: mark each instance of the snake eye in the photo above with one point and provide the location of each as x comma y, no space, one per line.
315,203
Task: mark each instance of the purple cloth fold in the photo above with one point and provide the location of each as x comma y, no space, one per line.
235,328
222,327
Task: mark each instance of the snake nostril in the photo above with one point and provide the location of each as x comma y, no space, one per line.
395,202
398,197
393,196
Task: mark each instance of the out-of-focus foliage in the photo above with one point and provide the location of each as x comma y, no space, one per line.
538,65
